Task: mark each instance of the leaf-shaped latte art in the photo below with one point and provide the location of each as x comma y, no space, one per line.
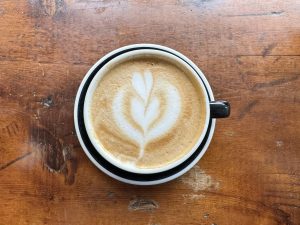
170,116
144,116
121,120
145,108
143,84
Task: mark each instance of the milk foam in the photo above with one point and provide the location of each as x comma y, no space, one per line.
147,112
145,108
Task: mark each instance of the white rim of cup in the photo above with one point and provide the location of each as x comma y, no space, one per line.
96,163
88,99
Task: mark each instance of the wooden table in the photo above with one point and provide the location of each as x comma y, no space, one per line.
250,53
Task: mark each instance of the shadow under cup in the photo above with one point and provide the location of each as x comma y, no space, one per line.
136,177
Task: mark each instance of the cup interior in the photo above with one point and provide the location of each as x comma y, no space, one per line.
93,85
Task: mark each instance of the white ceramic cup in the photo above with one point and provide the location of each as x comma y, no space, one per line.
88,100
215,109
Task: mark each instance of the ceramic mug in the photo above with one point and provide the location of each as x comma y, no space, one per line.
111,166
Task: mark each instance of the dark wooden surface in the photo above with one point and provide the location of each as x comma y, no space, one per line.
250,53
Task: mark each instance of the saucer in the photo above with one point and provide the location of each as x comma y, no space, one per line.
102,163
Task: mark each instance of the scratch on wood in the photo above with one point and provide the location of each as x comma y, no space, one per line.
51,149
284,217
70,164
55,155
110,195
273,55
100,10
279,144
14,161
277,58
229,133
205,215
238,60
142,205
43,72
10,130
191,197
196,3
48,101
198,180
47,7
286,204
247,109
2,12
273,13
275,82
268,49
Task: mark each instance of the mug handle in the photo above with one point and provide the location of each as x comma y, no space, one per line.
219,109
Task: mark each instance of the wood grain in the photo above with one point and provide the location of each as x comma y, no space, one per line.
250,53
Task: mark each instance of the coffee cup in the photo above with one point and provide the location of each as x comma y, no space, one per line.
145,114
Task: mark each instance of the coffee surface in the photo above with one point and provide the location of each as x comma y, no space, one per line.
147,112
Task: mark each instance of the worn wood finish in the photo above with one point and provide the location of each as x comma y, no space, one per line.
250,53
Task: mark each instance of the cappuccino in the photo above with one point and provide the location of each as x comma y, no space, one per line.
147,112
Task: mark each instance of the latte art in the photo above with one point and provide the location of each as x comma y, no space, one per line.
146,111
